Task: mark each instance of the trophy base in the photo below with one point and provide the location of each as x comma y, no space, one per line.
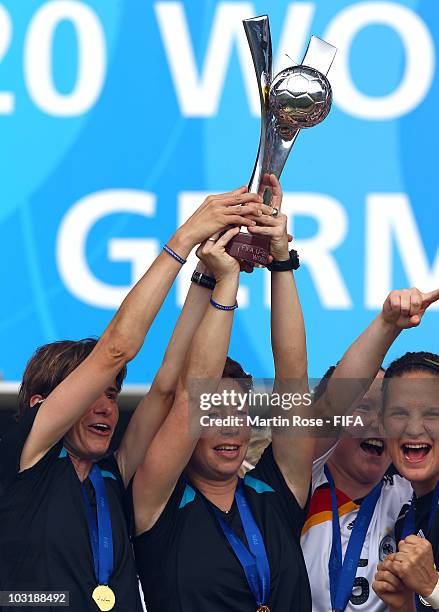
251,248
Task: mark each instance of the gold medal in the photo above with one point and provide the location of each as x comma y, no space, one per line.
263,609
104,597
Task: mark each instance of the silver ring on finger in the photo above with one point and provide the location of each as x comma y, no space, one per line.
212,239
274,212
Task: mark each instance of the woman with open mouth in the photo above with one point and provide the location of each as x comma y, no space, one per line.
351,472
207,539
353,508
408,579
350,554
62,517
353,556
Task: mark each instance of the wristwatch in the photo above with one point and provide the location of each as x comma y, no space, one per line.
203,280
292,263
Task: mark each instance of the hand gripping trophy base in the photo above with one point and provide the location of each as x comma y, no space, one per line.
251,248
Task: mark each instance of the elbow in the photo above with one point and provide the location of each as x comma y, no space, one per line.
118,349
167,395
163,386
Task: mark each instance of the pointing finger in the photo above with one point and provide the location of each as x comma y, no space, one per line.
430,298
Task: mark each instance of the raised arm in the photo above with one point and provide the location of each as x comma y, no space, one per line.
155,406
173,445
125,334
293,455
355,372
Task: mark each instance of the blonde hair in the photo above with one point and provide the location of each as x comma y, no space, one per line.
259,441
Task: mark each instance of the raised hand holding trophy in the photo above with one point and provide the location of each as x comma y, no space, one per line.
298,97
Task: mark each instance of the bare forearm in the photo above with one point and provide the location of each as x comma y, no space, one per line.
358,367
132,321
288,337
364,358
209,348
194,308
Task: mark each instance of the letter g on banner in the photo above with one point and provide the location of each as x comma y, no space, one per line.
419,59
72,237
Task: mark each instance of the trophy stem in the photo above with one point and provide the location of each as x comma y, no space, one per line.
245,246
298,97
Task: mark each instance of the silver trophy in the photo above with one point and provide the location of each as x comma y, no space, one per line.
298,97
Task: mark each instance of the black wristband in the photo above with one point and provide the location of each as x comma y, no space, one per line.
208,282
292,263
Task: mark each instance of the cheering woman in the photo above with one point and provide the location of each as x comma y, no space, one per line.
205,538
350,552
348,481
408,579
62,520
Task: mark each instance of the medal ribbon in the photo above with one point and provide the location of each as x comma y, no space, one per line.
342,572
409,527
101,535
254,561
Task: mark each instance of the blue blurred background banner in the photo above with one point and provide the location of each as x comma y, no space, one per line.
117,118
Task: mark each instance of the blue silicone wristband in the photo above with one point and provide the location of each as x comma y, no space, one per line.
222,307
174,254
